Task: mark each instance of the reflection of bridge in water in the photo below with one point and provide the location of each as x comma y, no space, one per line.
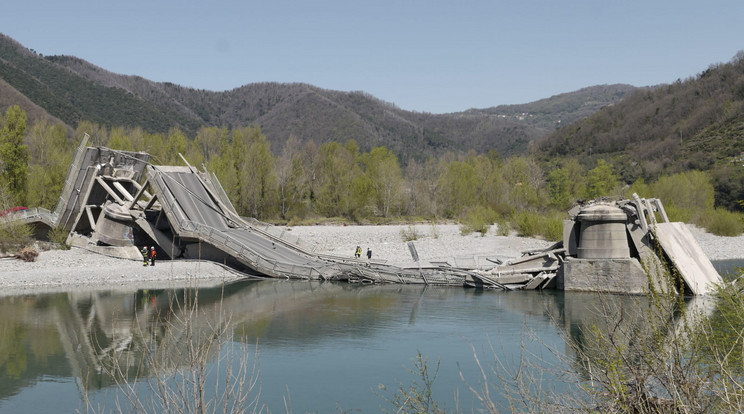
99,331
114,201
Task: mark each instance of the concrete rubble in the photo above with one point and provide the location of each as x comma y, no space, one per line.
114,202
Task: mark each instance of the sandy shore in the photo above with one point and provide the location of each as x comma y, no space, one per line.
77,268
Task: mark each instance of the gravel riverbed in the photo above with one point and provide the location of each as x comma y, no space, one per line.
60,270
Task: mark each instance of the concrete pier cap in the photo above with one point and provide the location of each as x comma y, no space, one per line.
602,261
602,233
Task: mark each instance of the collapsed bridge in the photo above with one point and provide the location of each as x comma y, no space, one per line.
114,201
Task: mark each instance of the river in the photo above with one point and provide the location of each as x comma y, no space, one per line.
319,347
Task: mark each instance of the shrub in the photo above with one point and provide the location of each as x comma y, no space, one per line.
13,235
409,234
528,223
531,224
478,219
691,190
503,228
59,235
553,228
722,222
675,213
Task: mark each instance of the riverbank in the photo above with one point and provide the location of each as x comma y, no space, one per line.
60,270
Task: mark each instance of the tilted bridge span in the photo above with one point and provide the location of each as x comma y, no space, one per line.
114,202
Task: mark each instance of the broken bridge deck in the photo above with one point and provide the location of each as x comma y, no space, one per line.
687,257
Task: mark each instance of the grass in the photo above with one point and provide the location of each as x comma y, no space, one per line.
478,220
14,235
410,233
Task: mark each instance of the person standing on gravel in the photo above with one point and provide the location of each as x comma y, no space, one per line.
145,255
358,252
152,256
369,253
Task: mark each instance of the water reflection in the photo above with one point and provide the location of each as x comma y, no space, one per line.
82,335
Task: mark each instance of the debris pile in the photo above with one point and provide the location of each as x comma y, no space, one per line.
616,247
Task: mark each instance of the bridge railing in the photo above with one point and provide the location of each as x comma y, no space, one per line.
227,243
282,234
272,231
275,268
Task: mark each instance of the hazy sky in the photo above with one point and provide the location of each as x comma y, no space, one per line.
434,56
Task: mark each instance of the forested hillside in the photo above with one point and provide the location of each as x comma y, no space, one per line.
695,124
72,98
74,90
549,114
295,152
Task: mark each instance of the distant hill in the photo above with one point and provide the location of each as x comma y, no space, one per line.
549,114
70,89
690,124
695,124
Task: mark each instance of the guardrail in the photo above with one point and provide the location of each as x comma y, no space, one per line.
30,215
365,272
282,234
225,242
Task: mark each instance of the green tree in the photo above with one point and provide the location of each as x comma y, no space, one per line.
14,153
139,139
257,179
98,133
335,171
50,157
493,188
422,187
687,196
383,171
559,188
601,180
223,166
459,188
208,140
576,178
525,179
119,139
176,144
238,150
362,198
566,184
156,149
292,180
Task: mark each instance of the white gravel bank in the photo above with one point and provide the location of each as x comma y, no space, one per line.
445,241
718,247
65,269
433,242
60,270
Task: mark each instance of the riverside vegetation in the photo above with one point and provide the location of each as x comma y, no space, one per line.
309,183
677,142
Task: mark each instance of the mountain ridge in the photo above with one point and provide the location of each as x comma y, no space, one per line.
72,90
